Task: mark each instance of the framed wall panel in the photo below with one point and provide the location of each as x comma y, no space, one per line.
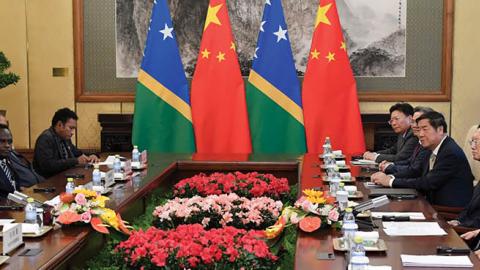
428,64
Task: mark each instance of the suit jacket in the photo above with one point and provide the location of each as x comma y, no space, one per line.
412,167
470,216
48,158
449,183
26,175
402,150
5,185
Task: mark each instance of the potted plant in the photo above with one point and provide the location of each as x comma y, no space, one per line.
6,78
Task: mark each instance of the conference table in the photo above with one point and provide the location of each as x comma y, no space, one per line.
69,247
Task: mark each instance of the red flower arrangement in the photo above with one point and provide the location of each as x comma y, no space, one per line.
193,247
247,185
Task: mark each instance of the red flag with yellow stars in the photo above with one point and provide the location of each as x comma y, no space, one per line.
219,108
329,96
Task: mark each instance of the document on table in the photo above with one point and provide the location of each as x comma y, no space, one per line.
412,229
6,221
412,215
436,261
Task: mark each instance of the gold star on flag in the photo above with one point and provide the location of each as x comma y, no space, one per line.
205,53
344,46
221,57
212,16
232,46
315,54
322,15
330,57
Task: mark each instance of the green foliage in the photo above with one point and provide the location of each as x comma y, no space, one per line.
6,78
283,247
107,259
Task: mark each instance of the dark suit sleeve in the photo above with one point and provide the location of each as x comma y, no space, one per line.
472,221
46,157
414,168
404,153
436,178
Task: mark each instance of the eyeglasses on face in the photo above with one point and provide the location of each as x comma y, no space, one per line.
395,119
473,143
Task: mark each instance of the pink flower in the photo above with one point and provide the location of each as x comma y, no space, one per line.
294,219
333,215
86,217
80,199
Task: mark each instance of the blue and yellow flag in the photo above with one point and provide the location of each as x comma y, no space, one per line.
163,118
273,90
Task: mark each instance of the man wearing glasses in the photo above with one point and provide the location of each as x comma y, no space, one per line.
470,216
446,178
412,165
401,121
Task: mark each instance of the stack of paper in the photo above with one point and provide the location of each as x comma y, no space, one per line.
436,261
412,215
412,228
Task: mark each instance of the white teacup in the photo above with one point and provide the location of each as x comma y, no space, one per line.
351,189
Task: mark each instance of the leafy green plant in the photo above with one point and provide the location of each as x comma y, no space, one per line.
6,78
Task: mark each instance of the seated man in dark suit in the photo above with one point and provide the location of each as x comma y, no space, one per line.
27,176
412,165
8,177
446,178
401,121
54,150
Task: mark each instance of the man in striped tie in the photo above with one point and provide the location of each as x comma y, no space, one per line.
8,183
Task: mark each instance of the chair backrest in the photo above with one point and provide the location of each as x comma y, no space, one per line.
474,164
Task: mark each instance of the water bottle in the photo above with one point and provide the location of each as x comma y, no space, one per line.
334,183
135,154
96,177
359,263
117,165
328,142
348,216
342,196
348,230
327,146
349,227
358,249
70,187
30,212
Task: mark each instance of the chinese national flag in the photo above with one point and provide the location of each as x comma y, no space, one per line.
219,109
329,96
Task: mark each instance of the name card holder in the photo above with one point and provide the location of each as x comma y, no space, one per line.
12,237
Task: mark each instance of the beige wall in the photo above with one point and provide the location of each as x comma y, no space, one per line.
49,29
466,72
14,98
47,26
